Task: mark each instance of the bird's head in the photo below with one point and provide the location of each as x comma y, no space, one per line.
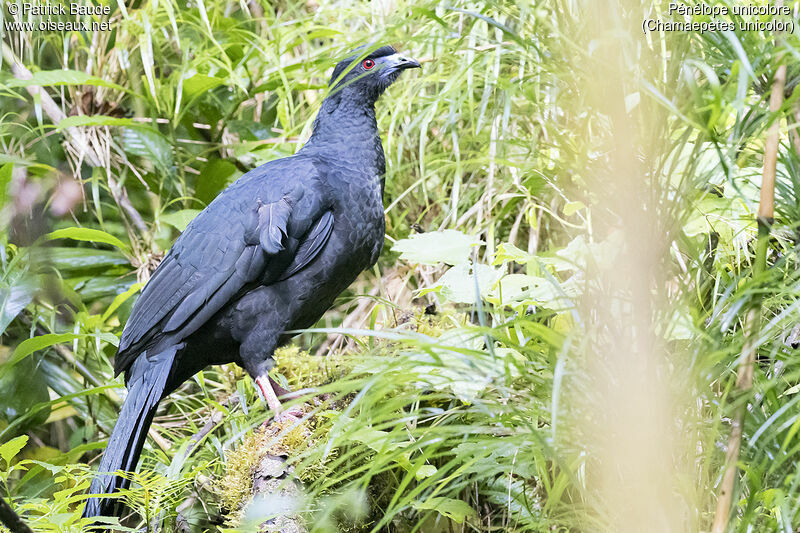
370,74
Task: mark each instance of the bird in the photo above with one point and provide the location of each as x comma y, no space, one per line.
265,258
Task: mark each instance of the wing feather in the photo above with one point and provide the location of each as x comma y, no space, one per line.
311,245
228,247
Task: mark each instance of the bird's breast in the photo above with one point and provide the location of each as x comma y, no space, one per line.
362,227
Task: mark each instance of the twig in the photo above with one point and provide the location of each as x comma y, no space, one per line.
216,418
744,379
11,519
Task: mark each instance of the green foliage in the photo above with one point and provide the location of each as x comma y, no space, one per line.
464,396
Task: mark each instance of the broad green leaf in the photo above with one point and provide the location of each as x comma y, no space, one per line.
448,246
150,144
425,471
72,261
580,254
215,176
458,283
179,219
508,252
198,84
93,120
456,510
249,130
10,449
87,234
94,287
520,289
728,217
513,286
28,346
48,78
15,298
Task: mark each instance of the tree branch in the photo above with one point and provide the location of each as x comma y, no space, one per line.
11,519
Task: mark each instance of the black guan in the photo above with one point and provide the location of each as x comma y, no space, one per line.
266,257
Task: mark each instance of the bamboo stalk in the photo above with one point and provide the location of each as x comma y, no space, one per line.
744,379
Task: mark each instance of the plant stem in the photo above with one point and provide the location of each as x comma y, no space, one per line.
744,379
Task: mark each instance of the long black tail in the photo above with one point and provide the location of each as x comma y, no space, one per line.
146,384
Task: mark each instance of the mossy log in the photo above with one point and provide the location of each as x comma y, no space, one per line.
258,475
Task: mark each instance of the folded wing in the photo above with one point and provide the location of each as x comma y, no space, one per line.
237,242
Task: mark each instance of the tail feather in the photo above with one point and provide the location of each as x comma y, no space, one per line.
148,379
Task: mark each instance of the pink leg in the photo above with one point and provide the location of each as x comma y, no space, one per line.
264,384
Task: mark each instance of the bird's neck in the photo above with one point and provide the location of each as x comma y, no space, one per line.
346,128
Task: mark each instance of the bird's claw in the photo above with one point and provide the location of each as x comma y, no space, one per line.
292,414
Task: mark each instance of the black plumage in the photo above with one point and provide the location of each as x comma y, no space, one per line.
267,256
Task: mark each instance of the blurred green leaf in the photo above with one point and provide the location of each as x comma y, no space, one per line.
148,143
448,246
87,234
198,84
21,387
215,176
15,298
570,208
71,261
458,284
93,120
249,130
509,252
5,181
456,510
179,219
95,287
8,158
47,78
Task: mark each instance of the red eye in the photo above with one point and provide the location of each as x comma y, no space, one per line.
368,64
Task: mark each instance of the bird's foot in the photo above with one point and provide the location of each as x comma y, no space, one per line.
270,391
292,414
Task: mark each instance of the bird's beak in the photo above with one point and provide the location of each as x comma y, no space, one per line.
400,62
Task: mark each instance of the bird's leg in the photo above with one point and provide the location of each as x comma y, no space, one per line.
268,394
267,387
279,391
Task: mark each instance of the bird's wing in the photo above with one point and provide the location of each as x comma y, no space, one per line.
239,240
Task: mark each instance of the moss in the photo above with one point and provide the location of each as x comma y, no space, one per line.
278,438
235,486
303,369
